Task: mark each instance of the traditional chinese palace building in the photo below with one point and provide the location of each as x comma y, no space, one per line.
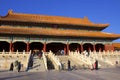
20,32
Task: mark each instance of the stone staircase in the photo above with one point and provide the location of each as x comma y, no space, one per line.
64,60
38,65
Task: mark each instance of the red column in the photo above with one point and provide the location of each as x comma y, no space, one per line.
81,47
113,48
67,48
105,47
27,47
100,49
44,47
10,48
89,48
94,48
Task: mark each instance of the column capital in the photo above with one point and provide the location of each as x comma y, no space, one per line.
67,42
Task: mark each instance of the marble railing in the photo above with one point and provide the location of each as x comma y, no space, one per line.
6,58
55,60
110,56
45,60
87,61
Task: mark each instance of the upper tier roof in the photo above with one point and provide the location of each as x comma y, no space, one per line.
56,32
20,17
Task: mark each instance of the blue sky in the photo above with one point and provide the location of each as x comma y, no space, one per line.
98,11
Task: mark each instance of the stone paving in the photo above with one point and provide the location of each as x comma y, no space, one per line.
101,74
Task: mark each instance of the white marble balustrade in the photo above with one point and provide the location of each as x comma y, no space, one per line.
6,58
55,60
45,60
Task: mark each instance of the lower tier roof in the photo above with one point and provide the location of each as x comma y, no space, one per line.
117,45
55,32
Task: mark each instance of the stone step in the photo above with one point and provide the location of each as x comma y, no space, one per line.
38,65
105,64
64,61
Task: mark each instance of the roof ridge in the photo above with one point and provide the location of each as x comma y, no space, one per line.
51,17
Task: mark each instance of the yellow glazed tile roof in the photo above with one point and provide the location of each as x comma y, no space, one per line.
55,32
11,16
